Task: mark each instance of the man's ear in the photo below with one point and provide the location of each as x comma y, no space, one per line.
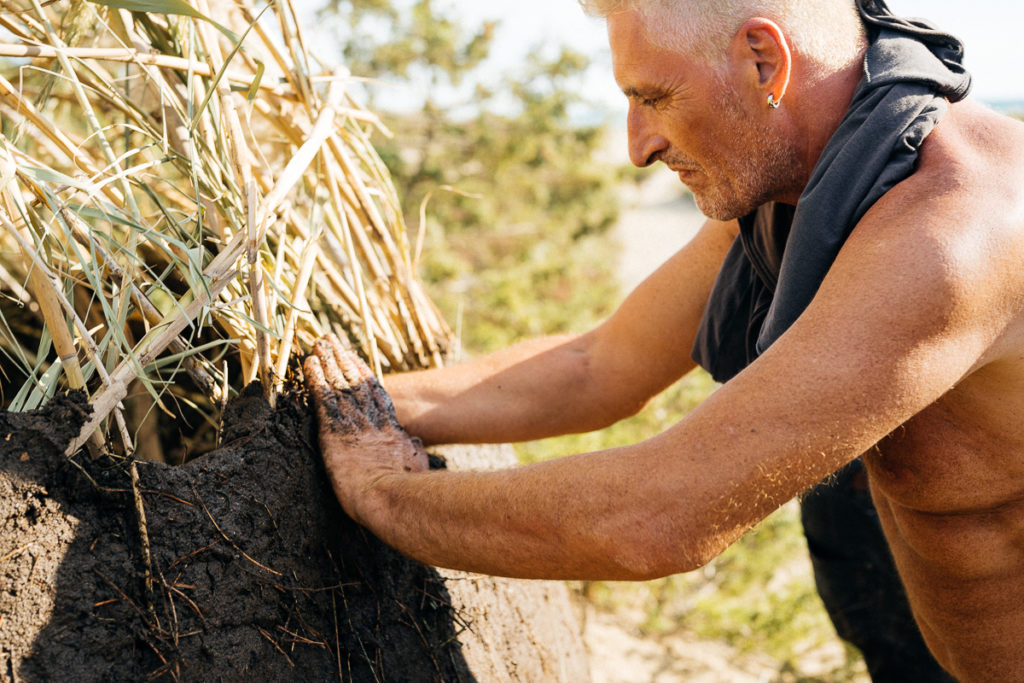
762,52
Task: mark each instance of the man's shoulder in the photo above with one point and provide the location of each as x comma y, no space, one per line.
958,221
969,182
973,161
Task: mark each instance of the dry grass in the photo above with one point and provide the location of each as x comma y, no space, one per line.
185,204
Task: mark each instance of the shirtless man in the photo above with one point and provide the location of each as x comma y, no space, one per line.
911,353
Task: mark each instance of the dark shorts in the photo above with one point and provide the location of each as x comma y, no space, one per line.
858,583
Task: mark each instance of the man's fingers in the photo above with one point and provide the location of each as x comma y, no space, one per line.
324,349
358,373
358,376
355,370
368,392
383,402
316,383
349,400
324,398
379,406
347,371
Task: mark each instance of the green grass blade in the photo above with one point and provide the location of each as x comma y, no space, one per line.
224,69
179,7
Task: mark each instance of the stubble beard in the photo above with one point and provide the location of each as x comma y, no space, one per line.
757,166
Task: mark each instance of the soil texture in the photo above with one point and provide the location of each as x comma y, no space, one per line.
254,570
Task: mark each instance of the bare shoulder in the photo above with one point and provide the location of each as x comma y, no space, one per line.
959,220
973,162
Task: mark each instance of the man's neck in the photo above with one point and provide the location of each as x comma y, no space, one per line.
819,105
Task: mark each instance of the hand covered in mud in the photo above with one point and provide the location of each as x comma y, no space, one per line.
360,438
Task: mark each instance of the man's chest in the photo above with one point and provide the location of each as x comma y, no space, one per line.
963,454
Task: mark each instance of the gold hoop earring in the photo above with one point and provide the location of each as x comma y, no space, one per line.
772,102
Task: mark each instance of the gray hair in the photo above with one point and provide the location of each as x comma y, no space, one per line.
829,33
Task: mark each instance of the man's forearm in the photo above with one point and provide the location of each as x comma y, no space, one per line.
561,385
537,389
586,517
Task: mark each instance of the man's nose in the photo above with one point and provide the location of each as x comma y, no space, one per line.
645,143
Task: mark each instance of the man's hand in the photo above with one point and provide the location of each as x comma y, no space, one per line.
360,438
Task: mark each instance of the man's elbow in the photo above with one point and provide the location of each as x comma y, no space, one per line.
647,557
639,567
603,393
607,411
628,406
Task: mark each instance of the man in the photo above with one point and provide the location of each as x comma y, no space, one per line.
891,327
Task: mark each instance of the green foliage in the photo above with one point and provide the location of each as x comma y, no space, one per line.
387,38
520,249
176,7
764,598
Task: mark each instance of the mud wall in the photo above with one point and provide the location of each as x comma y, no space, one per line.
254,571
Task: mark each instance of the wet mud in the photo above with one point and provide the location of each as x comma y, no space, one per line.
254,571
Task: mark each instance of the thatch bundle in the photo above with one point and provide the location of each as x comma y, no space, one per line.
186,202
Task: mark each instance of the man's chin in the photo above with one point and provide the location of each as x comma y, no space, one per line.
718,209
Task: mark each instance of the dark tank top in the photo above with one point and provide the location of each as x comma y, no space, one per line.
727,338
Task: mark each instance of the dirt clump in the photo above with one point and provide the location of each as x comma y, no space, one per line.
255,570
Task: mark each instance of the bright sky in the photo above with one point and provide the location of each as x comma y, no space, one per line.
990,30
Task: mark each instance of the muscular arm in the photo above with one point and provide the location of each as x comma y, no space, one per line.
902,316
561,385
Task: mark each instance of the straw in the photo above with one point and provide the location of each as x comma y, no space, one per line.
159,183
